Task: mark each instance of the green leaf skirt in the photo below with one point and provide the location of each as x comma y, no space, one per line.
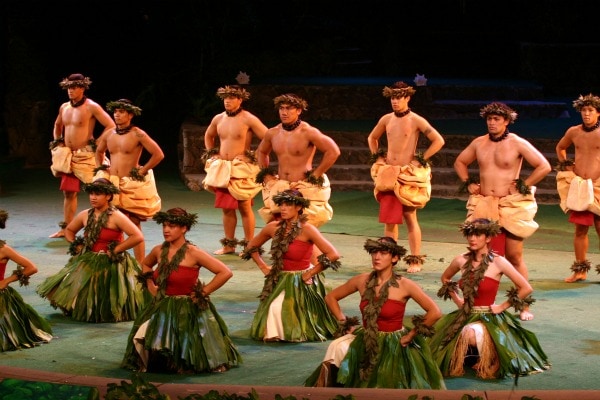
518,349
304,314
180,337
21,326
91,288
397,367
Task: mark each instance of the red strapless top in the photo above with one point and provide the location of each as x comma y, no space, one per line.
106,236
2,270
391,315
486,294
297,258
180,282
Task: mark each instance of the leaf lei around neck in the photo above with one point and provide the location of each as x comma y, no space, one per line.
279,246
370,315
471,278
167,267
94,226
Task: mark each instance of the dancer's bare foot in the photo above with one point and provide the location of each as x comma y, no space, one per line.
59,234
224,251
576,276
526,315
414,263
414,268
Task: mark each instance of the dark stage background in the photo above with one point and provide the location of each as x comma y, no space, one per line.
169,56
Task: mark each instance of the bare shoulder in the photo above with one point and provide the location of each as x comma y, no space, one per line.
196,251
417,117
501,262
217,118
272,131
92,103
385,119
248,115
478,141
139,133
407,283
156,250
310,230
523,143
271,227
359,280
573,131
305,127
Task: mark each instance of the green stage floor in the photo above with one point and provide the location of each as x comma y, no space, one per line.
566,320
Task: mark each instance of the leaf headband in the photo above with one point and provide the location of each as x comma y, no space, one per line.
102,185
292,100
499,109
224,92
124,104
187,220
372,246
288,198
398,92
480,226
589,100
75,80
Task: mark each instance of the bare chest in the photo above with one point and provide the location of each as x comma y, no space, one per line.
291,143
232,129
76,117
127,143
501,155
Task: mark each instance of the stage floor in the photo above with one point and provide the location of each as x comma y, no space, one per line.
566,321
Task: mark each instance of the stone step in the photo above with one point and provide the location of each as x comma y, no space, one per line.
543,196
444,158
469,109
350,99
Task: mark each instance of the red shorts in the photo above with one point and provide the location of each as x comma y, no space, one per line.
390,208
498,243
581,217
70,183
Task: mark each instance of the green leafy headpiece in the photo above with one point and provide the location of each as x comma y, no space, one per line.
176,216
233,90
501,109
398,89
124,104
292,99
75,80
385,243
101,185
480,226
589,100
291,197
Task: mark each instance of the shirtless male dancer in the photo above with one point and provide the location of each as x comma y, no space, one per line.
74,139
138,197
583,172
231,165
497,192
402,177
295,143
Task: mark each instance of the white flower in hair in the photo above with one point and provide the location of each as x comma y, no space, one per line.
242,78
420,80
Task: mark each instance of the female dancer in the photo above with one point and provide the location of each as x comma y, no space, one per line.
382,352
292,306
99,283
20,326
180,331
481,333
